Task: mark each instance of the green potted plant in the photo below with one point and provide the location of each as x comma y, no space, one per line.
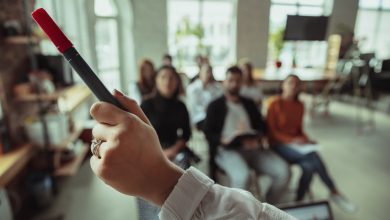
188,29
277,42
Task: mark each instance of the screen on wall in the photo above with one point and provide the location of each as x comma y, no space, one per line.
305,28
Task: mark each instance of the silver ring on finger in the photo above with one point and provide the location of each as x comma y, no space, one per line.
95,146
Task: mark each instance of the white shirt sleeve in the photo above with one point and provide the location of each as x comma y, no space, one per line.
195,196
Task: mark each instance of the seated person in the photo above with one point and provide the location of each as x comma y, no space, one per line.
285,131
145,86
250,89
200,61
200,93
169,117
232,115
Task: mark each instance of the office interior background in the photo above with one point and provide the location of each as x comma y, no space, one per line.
44,119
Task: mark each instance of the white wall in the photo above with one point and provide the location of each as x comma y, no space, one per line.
150,29
252,30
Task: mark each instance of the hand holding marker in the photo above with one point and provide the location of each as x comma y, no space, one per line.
65,47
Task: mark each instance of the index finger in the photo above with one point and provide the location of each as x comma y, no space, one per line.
107,113
131,105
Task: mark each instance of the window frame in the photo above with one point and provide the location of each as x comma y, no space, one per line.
116,18
380,10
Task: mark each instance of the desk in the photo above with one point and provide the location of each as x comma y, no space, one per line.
13,162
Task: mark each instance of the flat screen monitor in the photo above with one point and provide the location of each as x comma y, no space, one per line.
310,211
306,28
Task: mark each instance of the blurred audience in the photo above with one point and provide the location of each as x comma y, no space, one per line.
250,89
200,93
286,135
230,117
145,86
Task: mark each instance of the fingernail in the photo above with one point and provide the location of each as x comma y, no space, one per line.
116,92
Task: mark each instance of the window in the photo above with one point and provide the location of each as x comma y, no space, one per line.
201,27
372,29
306,53
106,42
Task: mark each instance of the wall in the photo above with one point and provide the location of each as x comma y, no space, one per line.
252,31
14,65
150,29
344,12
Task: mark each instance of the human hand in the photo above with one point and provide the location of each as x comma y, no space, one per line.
170,153
132,160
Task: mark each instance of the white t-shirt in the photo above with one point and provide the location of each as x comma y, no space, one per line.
199,97
236,121
195,196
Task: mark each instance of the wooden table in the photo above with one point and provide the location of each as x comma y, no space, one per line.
13,162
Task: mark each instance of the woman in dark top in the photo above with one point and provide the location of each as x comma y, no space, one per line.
168,115
170,119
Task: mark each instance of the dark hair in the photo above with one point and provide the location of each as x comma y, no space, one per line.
167,56
296,77
234,70
180,89
145,85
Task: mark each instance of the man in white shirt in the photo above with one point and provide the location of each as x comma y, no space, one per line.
229,118
127,156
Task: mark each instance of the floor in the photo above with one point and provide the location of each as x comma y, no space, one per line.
357,160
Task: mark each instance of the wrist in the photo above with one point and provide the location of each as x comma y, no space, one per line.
169,176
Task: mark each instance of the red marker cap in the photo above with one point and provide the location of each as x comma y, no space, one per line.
43,19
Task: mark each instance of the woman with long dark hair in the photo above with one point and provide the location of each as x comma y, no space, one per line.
286,135
145,85
169,117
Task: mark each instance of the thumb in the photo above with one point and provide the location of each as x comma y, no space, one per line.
131,106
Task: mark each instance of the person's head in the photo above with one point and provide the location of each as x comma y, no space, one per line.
167,60
291,87
199,60
246,68
232,83
167,82
146,72
206,74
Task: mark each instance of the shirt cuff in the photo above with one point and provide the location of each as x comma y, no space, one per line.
186,196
